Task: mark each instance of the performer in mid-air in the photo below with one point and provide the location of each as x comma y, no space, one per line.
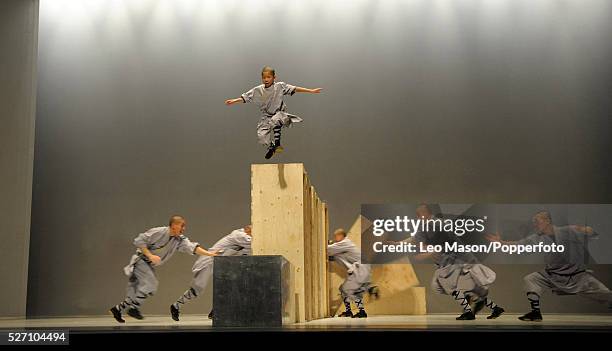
236,243
565,273
141,272
358,281
459,275
269,98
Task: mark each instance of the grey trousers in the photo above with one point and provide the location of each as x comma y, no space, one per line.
266,125
201,279
357,282
353,289
142,283
471,279
583,284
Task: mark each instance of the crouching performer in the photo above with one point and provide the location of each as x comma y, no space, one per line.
358,281
459,275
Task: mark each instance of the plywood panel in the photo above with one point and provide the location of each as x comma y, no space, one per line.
289,219
277,200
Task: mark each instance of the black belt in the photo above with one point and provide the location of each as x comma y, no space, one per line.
143,257
566,275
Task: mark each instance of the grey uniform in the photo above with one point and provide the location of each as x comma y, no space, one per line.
348,255
237,243
566,273
142,281
457,272
273,108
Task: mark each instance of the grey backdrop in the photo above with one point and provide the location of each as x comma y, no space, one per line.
442,101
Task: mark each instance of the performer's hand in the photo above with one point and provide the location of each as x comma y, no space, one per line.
229,101
216,252
493,237
155,260
316,90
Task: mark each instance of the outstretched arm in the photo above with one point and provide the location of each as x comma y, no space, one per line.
244,98
306,90
200,251
233,101
586,230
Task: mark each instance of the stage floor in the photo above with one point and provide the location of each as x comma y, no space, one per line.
432,322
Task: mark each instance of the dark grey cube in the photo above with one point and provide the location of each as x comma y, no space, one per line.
252,291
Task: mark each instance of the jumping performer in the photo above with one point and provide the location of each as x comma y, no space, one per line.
269,98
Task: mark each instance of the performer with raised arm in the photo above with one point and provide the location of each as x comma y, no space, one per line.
269,98
565,273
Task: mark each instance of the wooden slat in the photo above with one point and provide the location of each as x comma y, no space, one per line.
324,307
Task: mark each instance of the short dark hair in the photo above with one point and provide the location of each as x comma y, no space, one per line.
426,206
341,231
268,69
175,218
544,214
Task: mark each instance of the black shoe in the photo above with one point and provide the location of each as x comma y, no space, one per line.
533,316
466,316
346,314
270,152
361,314
374,292
478,306
117,314
211,315
174,312
134,313
497,311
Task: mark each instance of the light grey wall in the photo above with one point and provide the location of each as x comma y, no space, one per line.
18,44
445,101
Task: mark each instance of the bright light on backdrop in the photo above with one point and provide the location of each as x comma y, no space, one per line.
120,15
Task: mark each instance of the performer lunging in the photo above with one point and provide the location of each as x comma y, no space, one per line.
237,243
142,281
565,273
